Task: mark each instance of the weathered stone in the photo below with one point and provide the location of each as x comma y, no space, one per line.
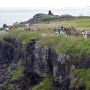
72,87
50,13
2,88
37,62
10,52
40,65
59,67
13,67
2,78
81,86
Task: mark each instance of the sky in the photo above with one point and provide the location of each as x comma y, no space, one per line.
54,4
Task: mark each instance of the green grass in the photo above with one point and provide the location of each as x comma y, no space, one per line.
19,62
82,23
68,44
17,73
2,29
22,36
82,76
46,84
79,24
10,86
76,47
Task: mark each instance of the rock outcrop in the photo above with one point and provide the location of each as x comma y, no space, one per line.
50,13
37,62
10,50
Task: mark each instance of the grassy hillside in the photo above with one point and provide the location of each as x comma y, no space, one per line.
45,22
77,23
58,42
76,47
82,76
68,44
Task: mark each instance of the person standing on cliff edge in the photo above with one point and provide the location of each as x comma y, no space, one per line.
59,29
35,29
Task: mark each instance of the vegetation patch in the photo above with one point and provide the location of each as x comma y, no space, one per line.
46,84
74,46
17,73
82,76
10,86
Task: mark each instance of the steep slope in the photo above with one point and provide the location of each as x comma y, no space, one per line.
27,57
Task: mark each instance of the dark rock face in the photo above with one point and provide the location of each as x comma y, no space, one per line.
4,25
6,53
9,52
37,18
50,13
37,63
59,67
85,63
81,86
40,65
72,88
45,60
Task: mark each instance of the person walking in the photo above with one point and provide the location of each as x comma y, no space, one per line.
59,29
35,29
85,36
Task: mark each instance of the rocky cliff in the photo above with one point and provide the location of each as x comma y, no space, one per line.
21,69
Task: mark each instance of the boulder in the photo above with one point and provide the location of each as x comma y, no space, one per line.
40,64
50,13
2,79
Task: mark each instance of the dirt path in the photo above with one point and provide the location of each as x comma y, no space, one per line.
3,32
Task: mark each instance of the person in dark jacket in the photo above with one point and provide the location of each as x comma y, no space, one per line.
59,29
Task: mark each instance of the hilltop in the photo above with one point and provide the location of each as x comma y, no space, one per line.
47,18
53,21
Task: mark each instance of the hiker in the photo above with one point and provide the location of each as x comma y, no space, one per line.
35,29
84,33
85,36
62,30
7,29
59,29
29,29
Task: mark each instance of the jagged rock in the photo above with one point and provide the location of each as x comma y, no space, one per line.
10,52
4,25
81,86
40,64
37,62
37,17
50,13
2,79
13,41
72,87
59,67
3,66
2,88
13,67
67,83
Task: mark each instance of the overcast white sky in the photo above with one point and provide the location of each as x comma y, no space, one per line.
43,3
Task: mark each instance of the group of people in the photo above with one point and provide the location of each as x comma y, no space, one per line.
60,31
27,28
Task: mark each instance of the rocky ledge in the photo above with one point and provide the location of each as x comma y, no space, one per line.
21,69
